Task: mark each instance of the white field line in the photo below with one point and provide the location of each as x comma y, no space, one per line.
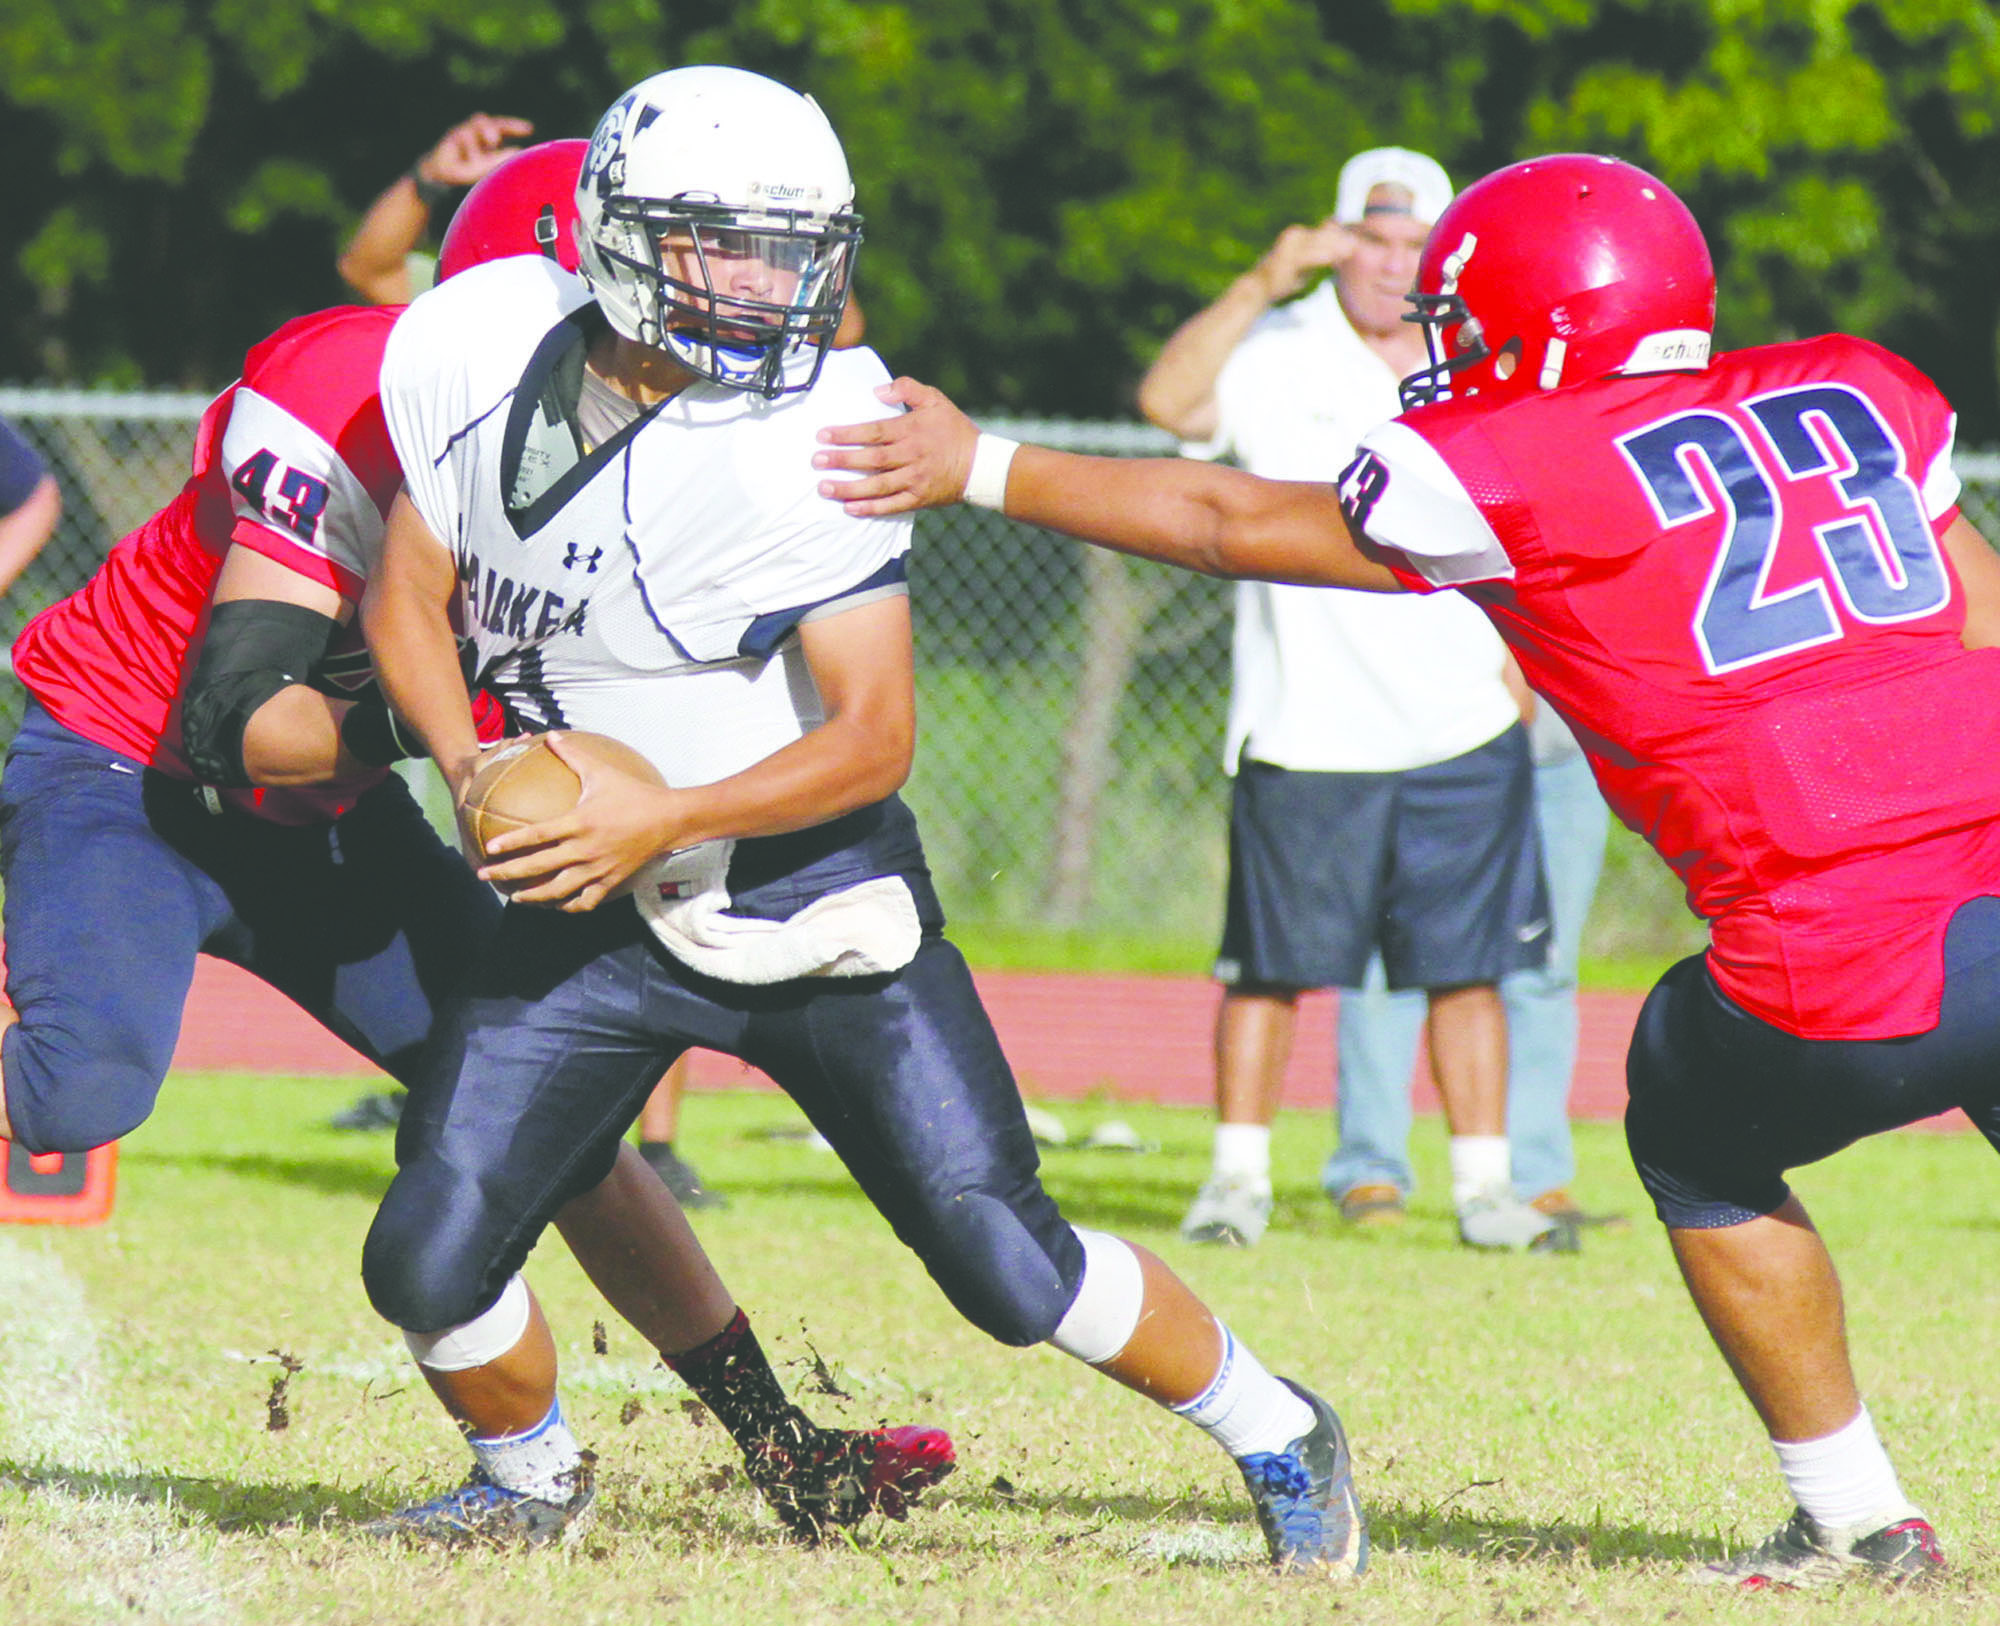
104,1540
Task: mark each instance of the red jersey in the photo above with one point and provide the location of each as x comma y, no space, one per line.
292,460
1730,583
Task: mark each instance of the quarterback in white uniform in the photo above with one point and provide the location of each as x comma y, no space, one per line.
610,487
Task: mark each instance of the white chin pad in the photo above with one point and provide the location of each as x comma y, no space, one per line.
486,1337
1106,1312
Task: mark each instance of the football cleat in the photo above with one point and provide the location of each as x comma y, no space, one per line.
1229,1210
1304,1496
1806,1553
833,1477
481,1513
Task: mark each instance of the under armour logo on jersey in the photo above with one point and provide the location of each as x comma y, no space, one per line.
572,558
1361,488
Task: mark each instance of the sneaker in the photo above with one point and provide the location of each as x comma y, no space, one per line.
1229,1209
481,1513
370,1112
836,1477
1806,1553
1501,1221
1304,1496
1371,1206
679,1177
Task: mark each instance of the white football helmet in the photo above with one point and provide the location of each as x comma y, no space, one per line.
715,221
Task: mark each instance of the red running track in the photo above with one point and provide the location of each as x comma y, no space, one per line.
1068,1036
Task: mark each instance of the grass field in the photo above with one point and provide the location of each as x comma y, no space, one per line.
1538,1439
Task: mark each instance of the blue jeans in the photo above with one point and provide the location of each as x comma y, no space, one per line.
1378,1030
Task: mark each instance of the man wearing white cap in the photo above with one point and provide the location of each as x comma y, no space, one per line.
1382,816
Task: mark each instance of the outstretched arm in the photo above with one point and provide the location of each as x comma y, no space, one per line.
1219,521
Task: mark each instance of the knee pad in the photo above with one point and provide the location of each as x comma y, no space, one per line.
486,1337
1105,1313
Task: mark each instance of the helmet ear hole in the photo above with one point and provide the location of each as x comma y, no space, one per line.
1506,359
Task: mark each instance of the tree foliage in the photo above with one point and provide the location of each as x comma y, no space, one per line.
1050,185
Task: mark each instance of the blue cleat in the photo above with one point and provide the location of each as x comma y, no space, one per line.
1304,1496
481,1513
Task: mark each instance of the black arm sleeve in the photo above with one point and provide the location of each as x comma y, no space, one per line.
254,648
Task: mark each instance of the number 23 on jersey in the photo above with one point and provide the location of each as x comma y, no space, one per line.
1879,555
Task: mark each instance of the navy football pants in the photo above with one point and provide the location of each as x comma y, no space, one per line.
570,1020
116,877
1723,1103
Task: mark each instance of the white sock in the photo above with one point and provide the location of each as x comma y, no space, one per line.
1243,1152
542,1462
1479,1164
1244,1409
1844,1478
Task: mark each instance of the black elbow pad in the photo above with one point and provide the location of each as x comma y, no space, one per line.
254,648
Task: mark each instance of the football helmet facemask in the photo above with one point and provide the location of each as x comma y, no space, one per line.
1557,271
526,205
716,222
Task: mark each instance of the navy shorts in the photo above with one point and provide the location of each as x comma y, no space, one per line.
117,876
1722,1103
569,1019
1440,868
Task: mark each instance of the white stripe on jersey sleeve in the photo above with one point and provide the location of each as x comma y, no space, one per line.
288,479
1941,486
1425,513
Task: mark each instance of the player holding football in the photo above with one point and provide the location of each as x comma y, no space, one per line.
1746,584
202,768
611,474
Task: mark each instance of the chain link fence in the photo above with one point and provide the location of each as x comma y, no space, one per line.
1072,701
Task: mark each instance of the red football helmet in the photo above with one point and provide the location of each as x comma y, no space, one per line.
1556,271
525,206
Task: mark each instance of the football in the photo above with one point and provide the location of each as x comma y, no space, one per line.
524,782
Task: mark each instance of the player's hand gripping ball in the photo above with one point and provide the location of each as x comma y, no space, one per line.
524,782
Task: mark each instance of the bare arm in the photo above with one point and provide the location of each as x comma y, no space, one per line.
860,662
1178,391
1219,521
406,617
26,530
294,737
372,264
1978,568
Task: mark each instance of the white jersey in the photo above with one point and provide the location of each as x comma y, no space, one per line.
1328,680
649,588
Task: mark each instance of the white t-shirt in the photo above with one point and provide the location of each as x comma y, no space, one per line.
1326,679
651,588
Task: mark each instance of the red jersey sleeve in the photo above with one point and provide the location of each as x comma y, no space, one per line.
306,454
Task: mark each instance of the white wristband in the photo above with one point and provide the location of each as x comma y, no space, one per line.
986,485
